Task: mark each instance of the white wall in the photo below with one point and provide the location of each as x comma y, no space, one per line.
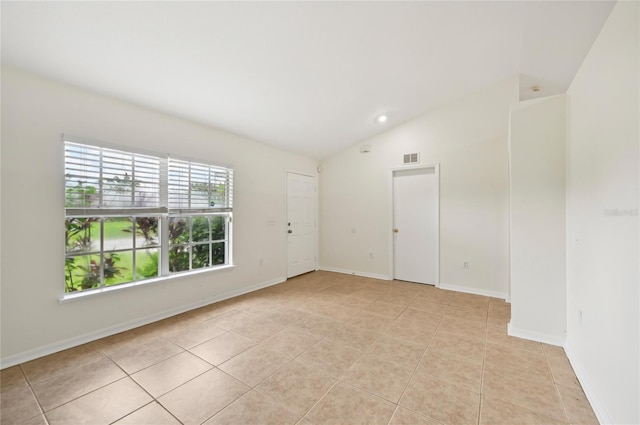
469,140
602,243
537,209
35,113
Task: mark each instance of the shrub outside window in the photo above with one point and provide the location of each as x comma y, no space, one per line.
132,216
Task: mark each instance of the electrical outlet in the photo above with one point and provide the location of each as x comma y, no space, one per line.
465,265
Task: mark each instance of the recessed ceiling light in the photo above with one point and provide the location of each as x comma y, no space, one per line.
382,118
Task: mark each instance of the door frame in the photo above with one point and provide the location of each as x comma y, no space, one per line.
392,172
286,216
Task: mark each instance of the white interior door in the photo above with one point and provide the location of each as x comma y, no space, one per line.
301,223
415,225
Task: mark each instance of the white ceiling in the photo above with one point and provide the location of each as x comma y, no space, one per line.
309,77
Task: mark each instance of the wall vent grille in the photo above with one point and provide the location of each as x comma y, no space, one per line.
411,158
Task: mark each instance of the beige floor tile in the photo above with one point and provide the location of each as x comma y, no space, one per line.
535,394
12,376
357,302
442,401
329,357
287,316
469,313
384,379
563,372
470,300
412,331
470,348
500,412
577,406
404,416
221,348
422,304
17,402
354,337
397,350
136,355
370,321
320,326
102,406
254,365
386,309
232,319
151,414
202,397
400,298
73,383
253,408
345,404
257,328
195,334
171,373
553,351
451,368
47,366
418,317
212,310
503,359
436,295
471,328
290,342
36,420
133,336
296,387
498,335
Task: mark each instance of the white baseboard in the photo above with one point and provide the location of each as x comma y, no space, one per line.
92,336
355,273
473,291
589,389
536,336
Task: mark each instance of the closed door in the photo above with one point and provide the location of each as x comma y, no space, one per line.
301,223
415,227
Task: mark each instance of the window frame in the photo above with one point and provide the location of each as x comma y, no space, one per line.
162,211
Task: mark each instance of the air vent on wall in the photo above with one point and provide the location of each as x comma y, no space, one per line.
411,158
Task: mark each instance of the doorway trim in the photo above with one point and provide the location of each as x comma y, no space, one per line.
436,170
286,217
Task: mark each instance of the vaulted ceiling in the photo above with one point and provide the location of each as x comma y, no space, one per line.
308,77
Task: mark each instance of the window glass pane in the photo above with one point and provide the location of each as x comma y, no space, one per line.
200,229
218,253
82,234
118,267
179,258
82,272
117,179
178,230
146,231
200,256
118,233
146,263
218,227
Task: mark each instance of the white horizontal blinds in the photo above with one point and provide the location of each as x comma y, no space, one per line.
195,187
103,181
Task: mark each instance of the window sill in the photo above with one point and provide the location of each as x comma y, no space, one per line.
90,293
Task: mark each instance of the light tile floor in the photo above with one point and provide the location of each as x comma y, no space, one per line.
322,348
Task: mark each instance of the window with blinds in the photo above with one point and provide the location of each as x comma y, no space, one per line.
134,216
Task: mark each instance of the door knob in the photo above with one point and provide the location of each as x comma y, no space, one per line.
395,230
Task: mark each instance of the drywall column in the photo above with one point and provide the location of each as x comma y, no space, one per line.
603,321
537,226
